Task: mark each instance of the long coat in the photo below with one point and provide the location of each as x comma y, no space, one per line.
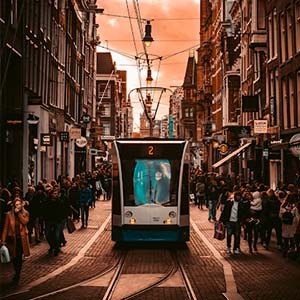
9,232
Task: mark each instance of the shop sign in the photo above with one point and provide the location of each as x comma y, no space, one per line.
235,133
86,118
75,133
266,153
46,139
223,149
64,136
82,142
260,126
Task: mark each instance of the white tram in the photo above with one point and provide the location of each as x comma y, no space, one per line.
150,200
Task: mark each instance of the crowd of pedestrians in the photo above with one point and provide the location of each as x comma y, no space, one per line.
44,210
251,211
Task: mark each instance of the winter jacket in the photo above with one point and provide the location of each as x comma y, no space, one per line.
9,232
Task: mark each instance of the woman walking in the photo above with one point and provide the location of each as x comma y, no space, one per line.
15,235
289,215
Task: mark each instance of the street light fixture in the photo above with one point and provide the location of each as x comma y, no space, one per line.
148,39
32,119
149,78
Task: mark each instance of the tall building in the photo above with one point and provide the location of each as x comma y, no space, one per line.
113,113
12,108
56,50
283,88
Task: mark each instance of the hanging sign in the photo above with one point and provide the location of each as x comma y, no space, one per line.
64,136
75,133
82,142
46,139
223,149
260,126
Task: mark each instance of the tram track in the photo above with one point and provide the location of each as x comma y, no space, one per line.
120,274
176,267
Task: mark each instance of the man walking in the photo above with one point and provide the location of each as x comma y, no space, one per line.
232,216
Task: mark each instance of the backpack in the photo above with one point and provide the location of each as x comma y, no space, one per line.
287,218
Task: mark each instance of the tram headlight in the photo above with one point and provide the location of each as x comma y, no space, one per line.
132,221
168,221
128,214
172,214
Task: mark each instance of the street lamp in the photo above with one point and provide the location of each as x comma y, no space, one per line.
148,39
149,78
32,119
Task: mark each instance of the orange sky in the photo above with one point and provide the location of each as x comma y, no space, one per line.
175,28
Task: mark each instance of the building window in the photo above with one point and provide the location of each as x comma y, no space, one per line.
298,98
297,27
103,90
276,95
106,110
285,104
189,112
270,37
14,13
292,103
283,42
290,34
275,33
106,128
261,14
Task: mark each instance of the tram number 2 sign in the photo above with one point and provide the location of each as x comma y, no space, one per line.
150,150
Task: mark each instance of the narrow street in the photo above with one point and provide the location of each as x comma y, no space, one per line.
87,267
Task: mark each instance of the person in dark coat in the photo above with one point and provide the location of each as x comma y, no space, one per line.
85,201
74,196
275,221
212,195
232,215
54,213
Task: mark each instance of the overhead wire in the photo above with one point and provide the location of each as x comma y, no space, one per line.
157,19
134,42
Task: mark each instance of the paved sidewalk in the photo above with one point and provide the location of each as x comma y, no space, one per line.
258,276
265,274
40,263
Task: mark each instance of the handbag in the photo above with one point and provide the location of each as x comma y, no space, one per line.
4,253
219,232
70,226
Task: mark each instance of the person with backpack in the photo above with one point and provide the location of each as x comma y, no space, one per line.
289,215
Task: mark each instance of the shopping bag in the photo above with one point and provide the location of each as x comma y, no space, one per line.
70,226
219,232
5,258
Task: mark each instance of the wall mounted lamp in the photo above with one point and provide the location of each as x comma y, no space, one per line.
32,119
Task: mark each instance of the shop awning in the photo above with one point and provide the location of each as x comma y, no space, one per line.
230,156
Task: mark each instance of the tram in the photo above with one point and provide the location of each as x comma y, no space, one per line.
150,180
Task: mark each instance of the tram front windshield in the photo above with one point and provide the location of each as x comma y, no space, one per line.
150,181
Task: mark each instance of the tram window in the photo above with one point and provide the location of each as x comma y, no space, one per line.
153,181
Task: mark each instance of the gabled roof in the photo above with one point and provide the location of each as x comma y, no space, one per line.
190,73
105,63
